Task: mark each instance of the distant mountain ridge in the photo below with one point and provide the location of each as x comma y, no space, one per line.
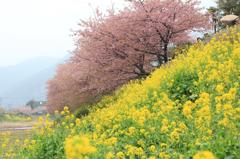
26,81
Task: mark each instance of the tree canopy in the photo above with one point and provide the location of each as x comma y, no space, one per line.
229,6
115,47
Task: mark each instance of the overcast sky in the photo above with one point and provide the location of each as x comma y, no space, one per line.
33,28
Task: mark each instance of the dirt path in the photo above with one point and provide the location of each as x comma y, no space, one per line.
15,129
4,126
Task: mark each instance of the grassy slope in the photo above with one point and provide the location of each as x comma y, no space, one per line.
188,106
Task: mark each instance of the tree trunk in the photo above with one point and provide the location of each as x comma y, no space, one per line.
159,57
215,28
165,52
142,73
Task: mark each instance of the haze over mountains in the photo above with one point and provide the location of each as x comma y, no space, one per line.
26,81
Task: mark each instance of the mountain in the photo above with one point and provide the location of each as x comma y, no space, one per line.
26,81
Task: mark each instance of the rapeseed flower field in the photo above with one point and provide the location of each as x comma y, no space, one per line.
189,108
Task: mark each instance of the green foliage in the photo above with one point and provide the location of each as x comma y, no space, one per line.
50,147
82,111
181,49
12,117
229,6
184,87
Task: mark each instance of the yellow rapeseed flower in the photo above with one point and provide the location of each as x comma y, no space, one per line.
78,147
204,155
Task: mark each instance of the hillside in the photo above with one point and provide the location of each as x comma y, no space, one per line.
26,80
188,108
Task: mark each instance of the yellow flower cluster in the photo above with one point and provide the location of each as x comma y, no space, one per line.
187,108
10,141
147,121
204,155
78,147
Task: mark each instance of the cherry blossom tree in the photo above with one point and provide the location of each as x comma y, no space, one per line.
146,27
119,45
171,20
